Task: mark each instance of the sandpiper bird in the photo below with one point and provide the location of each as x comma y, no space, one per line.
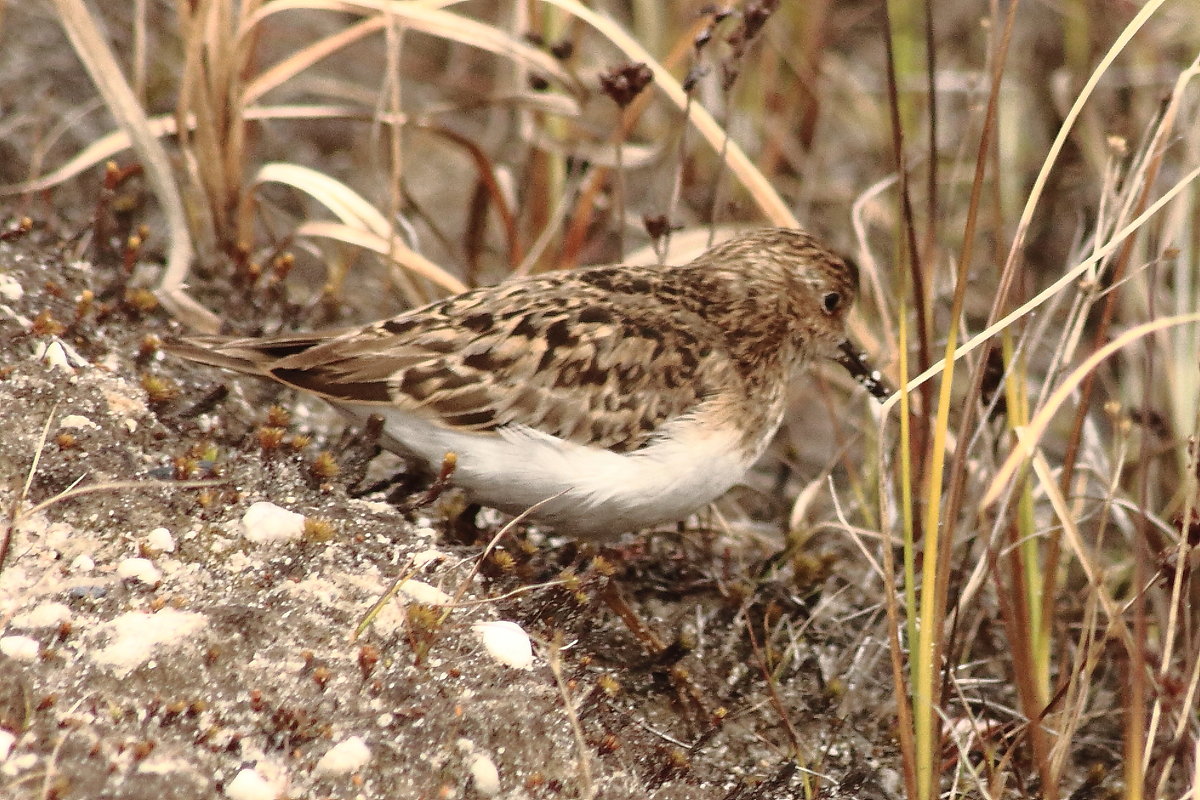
630,395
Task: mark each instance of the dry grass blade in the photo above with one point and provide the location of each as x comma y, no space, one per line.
504,530
487,176
1039,185
113,486
101,64
95,153
390,247
1042,297
345,203
940,532
587,788
362,224
118,141
740,166
298,62
1178,608
1058,398
431,19
1083,555
15,511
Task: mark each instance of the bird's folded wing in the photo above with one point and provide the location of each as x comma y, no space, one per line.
570,363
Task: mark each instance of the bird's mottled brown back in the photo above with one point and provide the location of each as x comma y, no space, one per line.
591,357
602,356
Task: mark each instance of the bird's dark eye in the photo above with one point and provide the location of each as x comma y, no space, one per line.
830,301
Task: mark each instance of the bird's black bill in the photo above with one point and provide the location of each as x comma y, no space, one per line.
856,363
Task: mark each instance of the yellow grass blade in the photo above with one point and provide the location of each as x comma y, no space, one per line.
1037,426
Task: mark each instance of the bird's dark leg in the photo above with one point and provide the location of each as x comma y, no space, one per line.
356,453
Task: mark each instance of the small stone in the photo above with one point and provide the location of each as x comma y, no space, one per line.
20,648
54,355
484,774
57,353
249,785
160,540
139,569
43,615
7,739
506,642
429,556
421,592
350,755
136,636
10,289
266,523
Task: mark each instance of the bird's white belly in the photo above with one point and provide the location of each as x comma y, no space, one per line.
596,493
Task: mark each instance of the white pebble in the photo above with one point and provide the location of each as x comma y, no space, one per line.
249,785
75,421
57,353
348,756
139,569
22,648
160,540
484,774
136,636
54,355
43,615
429,556
10,289
82,563
7,738
20,763
421,592
506,642
264,523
